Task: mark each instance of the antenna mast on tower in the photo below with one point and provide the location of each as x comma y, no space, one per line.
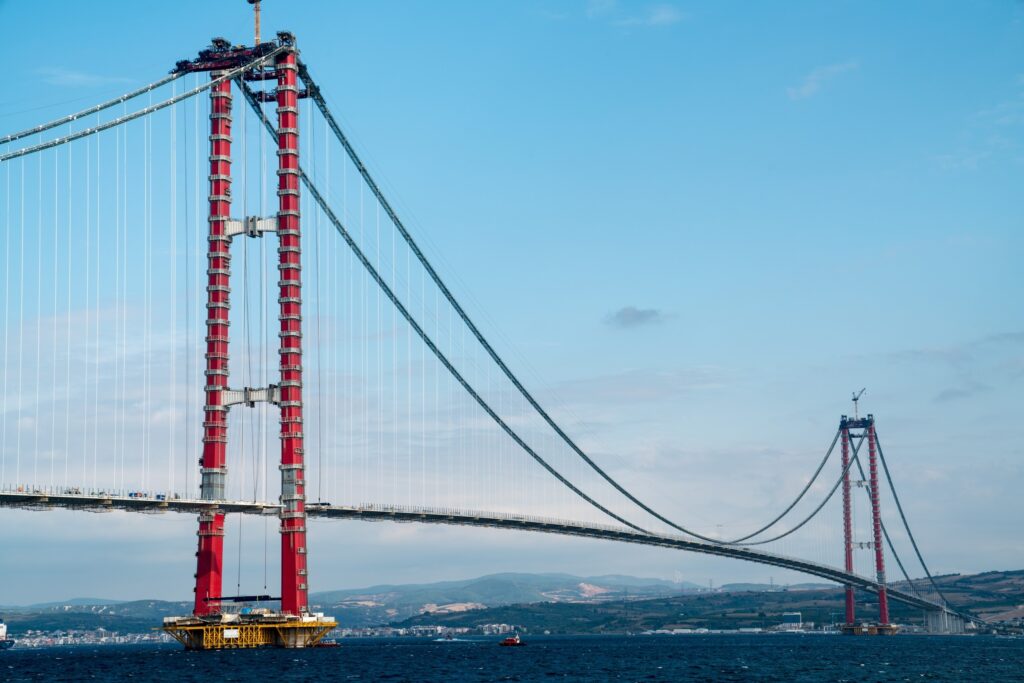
256,11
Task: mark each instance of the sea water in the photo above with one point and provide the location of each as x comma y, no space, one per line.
789,658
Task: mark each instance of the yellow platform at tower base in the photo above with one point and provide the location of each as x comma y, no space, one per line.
869,630
235,631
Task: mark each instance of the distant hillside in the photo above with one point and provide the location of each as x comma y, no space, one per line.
992,595
767,587
360,607
77,602
989,595
381,604
371,606
555,602
124,617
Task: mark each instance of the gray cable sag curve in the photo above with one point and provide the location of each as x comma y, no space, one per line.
885,531
854,459
899,562
314,93
140,113
796,500
91,110
820,505
321,104
318,198
903,517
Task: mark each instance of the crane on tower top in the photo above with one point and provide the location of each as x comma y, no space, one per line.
856,397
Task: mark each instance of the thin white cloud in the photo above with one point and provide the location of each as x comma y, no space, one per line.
61,77
967,159
991,134
958,355
815,80
655,15
553,16
967,389
635,386
599,8
658,14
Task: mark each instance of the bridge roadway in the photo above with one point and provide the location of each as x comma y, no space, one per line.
75,499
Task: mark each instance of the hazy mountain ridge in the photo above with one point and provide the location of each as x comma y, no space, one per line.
370,606
994,596
381,604
594,603
990,595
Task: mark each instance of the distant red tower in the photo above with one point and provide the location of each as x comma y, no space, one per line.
847,522
876,524
866,430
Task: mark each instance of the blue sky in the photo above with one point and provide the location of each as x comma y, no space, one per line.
694,227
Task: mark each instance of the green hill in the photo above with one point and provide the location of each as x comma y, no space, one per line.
994,596
377,605
561,603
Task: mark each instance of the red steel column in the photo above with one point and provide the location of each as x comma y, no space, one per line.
294,588
210,556
847,521
876,522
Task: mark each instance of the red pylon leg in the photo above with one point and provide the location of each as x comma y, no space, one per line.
294,589
210,556
847,521
876,522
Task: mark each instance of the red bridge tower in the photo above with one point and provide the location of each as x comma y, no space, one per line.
211,626
863,429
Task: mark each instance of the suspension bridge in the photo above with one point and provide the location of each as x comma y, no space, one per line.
144,241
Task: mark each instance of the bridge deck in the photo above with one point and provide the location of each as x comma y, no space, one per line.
102,502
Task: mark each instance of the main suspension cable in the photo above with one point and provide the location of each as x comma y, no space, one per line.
796,500
820,505
91,110
141,112
885,531
386,289
314,93
906,526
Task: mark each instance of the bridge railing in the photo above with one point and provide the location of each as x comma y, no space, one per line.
99,499
405,512
460,513
90,492
481,514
